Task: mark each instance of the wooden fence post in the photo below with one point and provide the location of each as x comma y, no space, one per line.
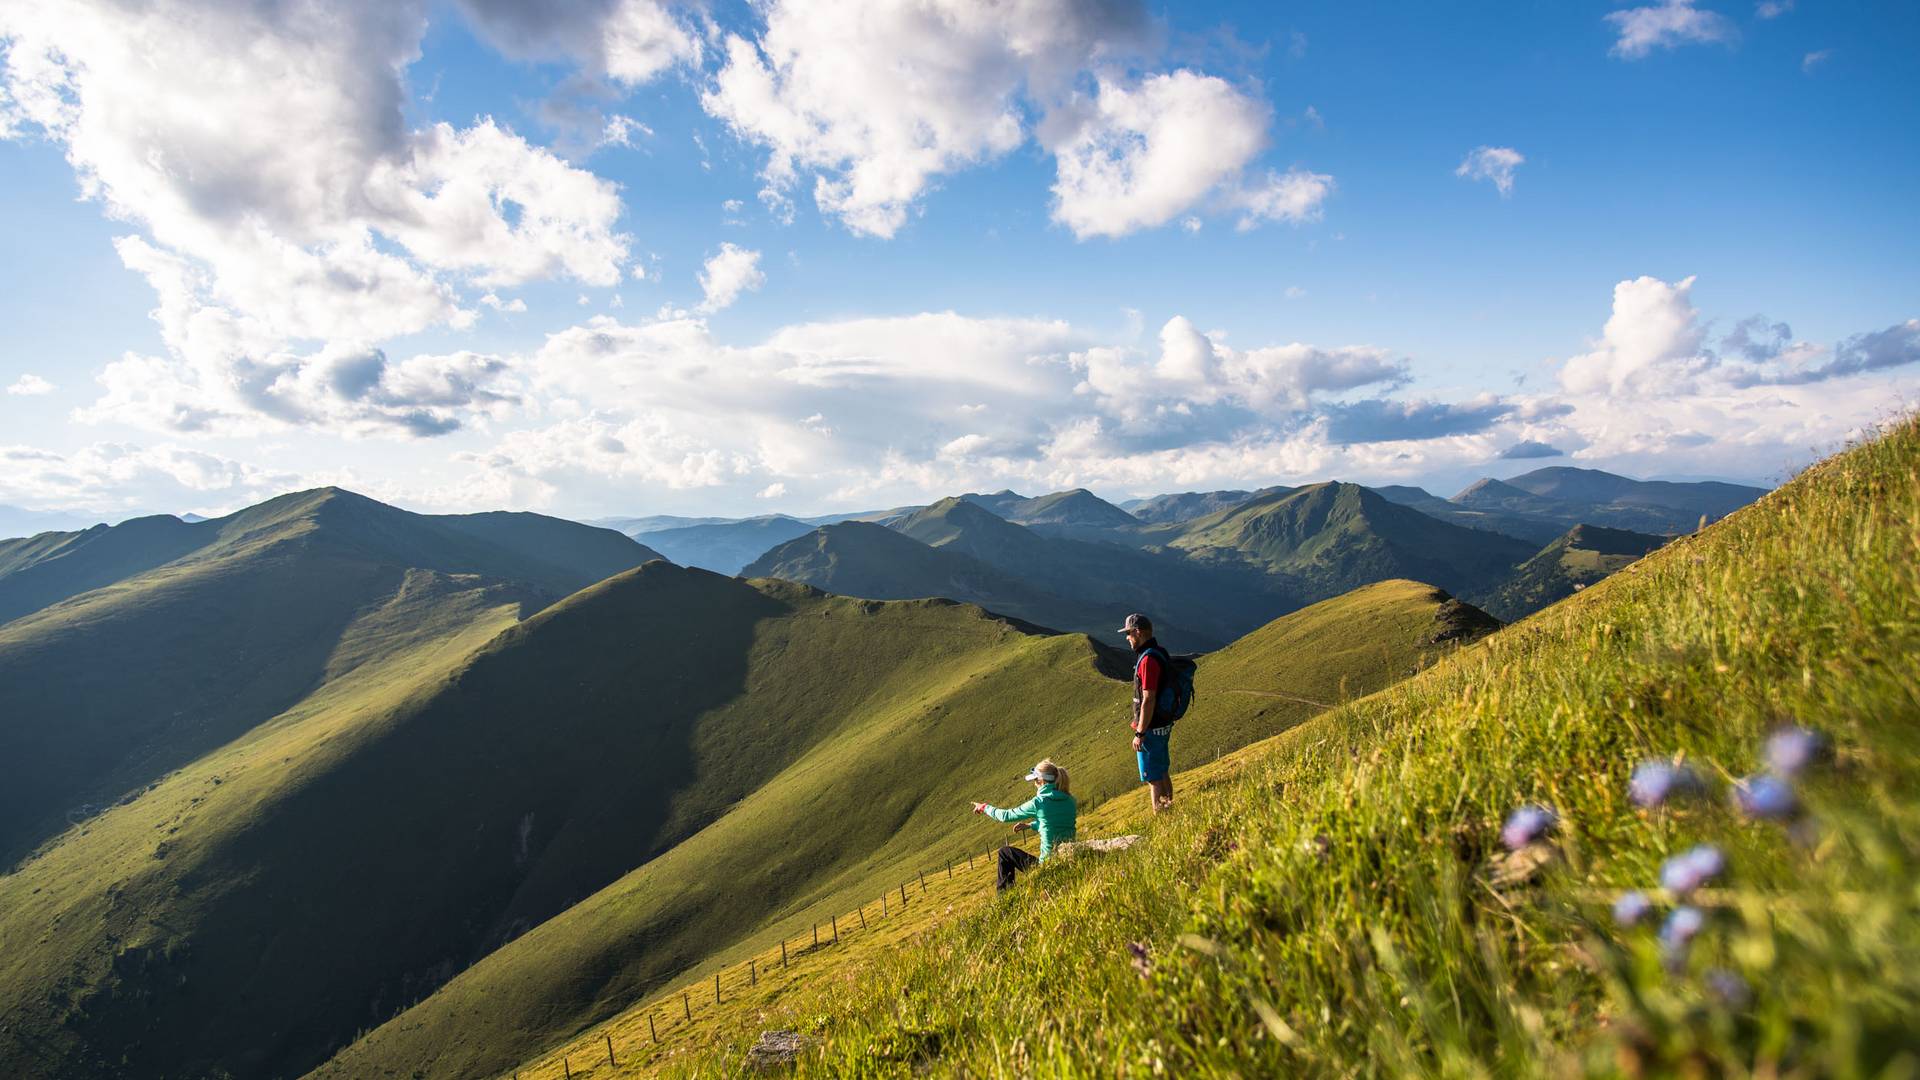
716,988
567,1065
863,916
816,935
949,867
783,954
883,904
686,1007
651,1030
923,881
903,894
753,973
610,1060
969,860
836,928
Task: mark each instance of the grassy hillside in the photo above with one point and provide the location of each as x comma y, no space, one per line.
109,689
1584,555
1333,537
883,793
877,563
1344,907
1214,603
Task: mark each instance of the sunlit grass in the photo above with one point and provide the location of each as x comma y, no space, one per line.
1333,910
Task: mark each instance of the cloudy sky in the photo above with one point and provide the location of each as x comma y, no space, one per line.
644,256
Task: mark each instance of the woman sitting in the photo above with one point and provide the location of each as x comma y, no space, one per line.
1051,810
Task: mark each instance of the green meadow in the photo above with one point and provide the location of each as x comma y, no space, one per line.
1343,905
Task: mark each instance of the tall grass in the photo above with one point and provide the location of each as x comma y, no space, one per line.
1340,909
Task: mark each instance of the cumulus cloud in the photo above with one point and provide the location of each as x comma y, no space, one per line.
1492,163
30,385
1815,60
1772,9
876,101
113,478
1134,157
263,151
728,274
1666,25
626,41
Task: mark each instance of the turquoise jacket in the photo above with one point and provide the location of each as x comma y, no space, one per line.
1052,812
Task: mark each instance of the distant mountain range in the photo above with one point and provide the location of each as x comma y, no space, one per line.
1584,555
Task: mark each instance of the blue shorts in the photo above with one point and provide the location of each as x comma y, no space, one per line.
1154,761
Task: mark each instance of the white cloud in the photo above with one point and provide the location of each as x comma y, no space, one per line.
1135,157
1294,196
1772,9
263,151
877,100
1651,343
622,131
728,274
1666,25
1493,163
771,491
1815,59
627,41
113,478
30,385
515,305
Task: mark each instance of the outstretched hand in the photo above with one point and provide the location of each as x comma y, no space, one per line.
979,808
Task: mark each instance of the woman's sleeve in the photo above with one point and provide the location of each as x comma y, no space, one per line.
1026,811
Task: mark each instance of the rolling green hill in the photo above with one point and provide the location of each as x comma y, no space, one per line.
1581,557
877,563
109,689
883,789
40,571
1214,602
1344,906
1712,499
1333,537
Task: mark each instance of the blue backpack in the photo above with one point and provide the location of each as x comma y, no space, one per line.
1176,690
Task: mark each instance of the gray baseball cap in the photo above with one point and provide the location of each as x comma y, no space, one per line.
1136,621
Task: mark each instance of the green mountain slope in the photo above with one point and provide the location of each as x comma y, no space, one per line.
1214,602
885,789
1343,905
1584,555
40,571
877,563
1188,505
111,688
1333,537
724,547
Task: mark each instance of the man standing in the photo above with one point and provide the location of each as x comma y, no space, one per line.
1150,726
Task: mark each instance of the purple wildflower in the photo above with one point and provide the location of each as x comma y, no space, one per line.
1729,988
1688,871
1792,750
1632,908
1683,924
1526,825
1142,963
1765,798
1655,783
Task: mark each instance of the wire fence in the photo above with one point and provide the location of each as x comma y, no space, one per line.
677,1012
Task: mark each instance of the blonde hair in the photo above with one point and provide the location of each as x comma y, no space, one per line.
1060,780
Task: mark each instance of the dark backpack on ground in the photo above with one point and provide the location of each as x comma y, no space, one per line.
1176,685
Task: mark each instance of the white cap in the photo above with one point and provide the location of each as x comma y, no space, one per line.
1042,771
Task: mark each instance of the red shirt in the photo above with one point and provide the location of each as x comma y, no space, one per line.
1148,674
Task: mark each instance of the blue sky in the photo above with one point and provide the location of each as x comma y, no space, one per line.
943,247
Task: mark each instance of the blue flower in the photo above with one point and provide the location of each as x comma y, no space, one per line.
1526,825
1683,924
1656,782
1688,871
1792,750
1765,798
1632,908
